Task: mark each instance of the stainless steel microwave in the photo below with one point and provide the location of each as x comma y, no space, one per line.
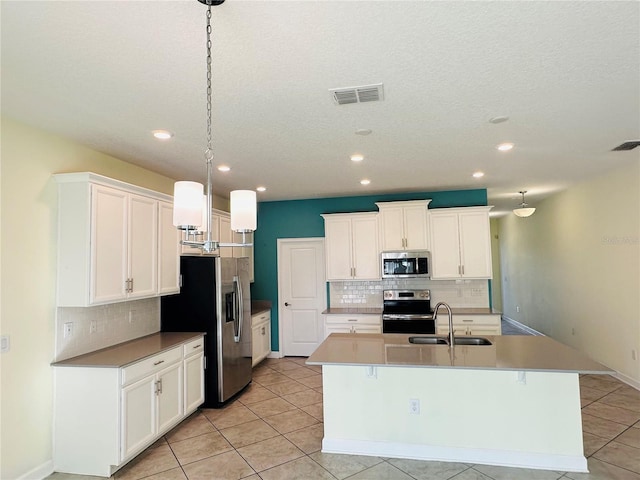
404,264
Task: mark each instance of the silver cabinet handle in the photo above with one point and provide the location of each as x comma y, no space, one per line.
197,346
158,363
263,331
352,320
467,320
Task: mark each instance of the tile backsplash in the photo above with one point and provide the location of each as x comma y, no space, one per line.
99,327
457,293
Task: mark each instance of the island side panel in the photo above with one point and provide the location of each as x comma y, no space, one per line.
479,416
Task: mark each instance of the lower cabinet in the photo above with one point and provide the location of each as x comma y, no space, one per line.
261,337
105,416
360,323
470,324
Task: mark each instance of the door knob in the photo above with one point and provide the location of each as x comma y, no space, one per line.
287,304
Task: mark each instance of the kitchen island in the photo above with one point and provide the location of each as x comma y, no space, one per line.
515,402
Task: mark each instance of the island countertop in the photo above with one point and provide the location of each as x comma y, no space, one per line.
507,352
125,353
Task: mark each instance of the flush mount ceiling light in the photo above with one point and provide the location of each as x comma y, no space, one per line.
363,131
162,134
224,168
478,174
505,147
356,157
188,202
261,189
523,211
365,181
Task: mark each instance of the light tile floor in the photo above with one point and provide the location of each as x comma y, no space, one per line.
273,431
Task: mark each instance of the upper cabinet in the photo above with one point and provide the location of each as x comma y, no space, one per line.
114,243
460,243
351,244
403,225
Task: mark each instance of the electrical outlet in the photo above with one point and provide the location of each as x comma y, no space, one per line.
93,327
634,355
5,343
414,406
518,309
68,329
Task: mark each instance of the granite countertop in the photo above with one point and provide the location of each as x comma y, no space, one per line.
353,311
260,306
470,311
507,352
123,354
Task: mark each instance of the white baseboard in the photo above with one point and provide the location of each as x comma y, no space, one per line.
524,327
628,380
274,354
503,458
38,473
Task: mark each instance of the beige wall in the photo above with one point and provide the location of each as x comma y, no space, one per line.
573,268
28,263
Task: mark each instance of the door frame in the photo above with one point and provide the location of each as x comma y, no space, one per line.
280,243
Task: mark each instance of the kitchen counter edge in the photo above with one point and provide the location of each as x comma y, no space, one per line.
132,351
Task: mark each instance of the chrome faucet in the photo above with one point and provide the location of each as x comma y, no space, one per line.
451,337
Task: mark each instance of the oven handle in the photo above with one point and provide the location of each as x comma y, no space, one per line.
388,316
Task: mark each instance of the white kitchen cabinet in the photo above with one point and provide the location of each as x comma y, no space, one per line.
193,375
358,323
261,336
105,416
168,251
108,238
460,243
469,324
351,246
403,225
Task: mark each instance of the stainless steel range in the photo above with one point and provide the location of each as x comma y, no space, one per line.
407,311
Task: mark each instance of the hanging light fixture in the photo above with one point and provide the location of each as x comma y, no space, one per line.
192,209
523,211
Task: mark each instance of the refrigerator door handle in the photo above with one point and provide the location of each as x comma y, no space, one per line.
238,319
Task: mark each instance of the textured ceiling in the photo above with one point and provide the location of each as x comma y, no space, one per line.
107,73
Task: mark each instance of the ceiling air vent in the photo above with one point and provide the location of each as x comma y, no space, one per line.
365,93
629,145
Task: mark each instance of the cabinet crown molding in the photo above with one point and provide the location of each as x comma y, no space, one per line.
90,177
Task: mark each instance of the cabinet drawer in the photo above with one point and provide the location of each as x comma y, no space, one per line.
150,365
357,319
261,318
193,347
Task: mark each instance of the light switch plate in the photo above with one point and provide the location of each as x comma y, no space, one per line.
5,343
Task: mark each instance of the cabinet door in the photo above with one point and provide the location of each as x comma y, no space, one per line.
226,236
194,382
445,248
475,245
367,329
337,232
108,244
415,228
138,416
365,251
170,396
143,246
392,228
168,251
329,329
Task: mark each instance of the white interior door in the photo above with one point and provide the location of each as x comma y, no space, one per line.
302,295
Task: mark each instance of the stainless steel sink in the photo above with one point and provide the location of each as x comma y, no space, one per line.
428,340
443,341
471,341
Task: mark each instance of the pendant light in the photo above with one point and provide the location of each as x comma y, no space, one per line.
523,211
192,209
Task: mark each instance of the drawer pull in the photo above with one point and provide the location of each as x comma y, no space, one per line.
470,320
158,363
197,346
352,320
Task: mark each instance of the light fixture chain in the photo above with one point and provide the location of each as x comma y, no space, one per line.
209,151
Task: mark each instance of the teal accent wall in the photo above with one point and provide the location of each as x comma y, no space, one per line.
301,219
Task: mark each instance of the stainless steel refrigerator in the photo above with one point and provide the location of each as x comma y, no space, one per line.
214,298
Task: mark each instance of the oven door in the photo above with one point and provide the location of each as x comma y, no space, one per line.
411,324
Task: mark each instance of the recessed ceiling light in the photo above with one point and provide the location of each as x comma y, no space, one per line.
224,168
365,181
261,189
499,119
505,147
162,134
478,174
363,131
356,157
